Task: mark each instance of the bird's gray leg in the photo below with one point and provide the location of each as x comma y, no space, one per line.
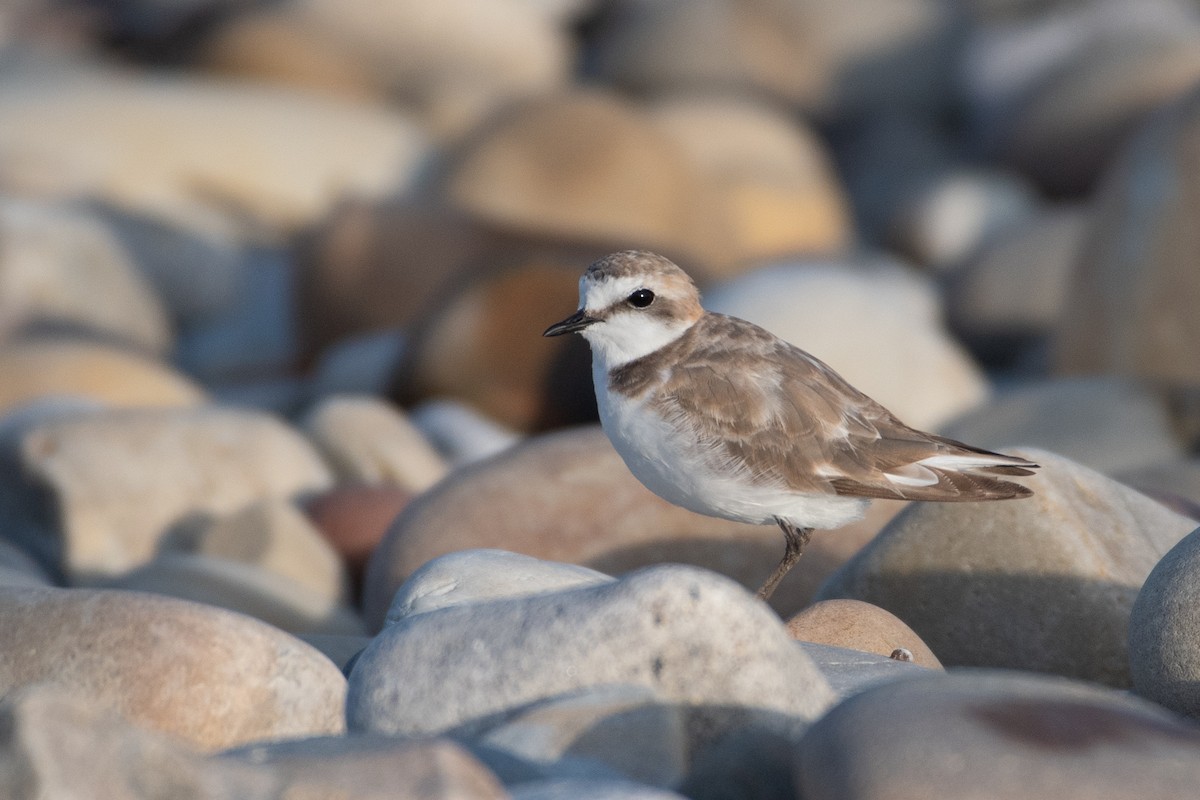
796,539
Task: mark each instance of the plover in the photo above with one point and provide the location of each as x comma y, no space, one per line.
719,416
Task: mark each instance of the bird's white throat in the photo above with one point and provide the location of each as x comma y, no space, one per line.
626,336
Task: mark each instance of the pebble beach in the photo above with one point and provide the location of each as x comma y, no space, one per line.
297,502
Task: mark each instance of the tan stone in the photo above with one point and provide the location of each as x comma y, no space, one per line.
569,497
212,678
368,441
246,588
772,177
185,149
120,480
42,367
272,534
483,345
860,626
587,167
61,265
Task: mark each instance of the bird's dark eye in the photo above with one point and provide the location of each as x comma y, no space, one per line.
641,298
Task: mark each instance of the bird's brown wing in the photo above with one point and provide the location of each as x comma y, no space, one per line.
787,418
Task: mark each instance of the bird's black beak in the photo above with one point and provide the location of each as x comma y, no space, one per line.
572,324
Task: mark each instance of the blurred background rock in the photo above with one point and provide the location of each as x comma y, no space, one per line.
355,219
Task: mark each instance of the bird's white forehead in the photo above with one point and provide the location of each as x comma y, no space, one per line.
596,295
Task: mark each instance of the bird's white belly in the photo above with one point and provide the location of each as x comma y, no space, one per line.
676,464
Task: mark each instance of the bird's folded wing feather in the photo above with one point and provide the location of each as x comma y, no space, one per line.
786,418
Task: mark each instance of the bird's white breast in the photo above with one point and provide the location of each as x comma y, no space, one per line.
679,464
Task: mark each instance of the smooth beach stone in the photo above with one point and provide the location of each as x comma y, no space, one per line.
1044,583
953,212
856,625
602,732
44,366
461,433
564,497
481,576
368,441
63,266
250,589
1164,630
585,166
1106,68
479,344
1015,285
209,677
196,271
1108,423
174,464
899,354
59,742
361,364
987,734
372,768
773,177
354,519
828,59
184,147
272,534
1140,245
852,671
455,61
373,267
693,637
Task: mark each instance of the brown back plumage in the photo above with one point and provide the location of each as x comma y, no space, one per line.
788,419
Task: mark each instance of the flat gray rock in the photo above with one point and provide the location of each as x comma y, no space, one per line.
480,576
979,735
692,636
1044,583
567,789
1164,630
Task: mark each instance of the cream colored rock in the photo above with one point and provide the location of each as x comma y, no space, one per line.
44,367
860,626
64,266
772,176
567,497
246,588
896,351
368,441
209,677
1044,583
272,534
456,60
186,149
120,480
588,167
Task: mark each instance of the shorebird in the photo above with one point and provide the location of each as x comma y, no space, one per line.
718,415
